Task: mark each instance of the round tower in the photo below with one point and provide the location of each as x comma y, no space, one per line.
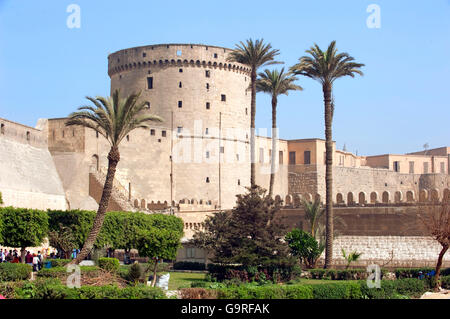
199,153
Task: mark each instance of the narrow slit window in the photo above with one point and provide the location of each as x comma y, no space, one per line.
223,98
180,104
180,85
207,73
208,105
163,133
152,132
150,82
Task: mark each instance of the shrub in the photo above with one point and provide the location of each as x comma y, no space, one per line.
53,289
109,264
445,282
344,290
277,272
305,247
347,274
401,273
56,272
134,273
393,288
59,262
198,293
14,272
189,265
266,292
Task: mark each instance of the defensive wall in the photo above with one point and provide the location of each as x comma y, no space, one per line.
28,177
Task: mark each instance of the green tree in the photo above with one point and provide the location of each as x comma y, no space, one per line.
250,234
114,118
158,244
325,67
23,228
313,214
254,54
275,83
305,247
63,239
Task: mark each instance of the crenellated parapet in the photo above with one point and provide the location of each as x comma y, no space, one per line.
173,55
400,198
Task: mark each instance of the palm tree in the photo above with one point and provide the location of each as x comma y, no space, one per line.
114,118
254,54
275,83
313,213
326,67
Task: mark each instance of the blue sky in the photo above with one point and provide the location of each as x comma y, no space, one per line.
401,103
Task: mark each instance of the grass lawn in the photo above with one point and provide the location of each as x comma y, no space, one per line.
183,279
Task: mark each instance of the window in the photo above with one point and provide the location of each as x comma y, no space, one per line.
442,167
147,105
207,73
96,134
307,157
280,157
239,182
180,104
208,105
152,132
180,85
261,155
207,86
425,168
237,157
128,138
144,54
180,70
207,179
246,111
222,149
411,167
150,83
207,154
215,55
291,158
62,134
206,131
223,98
179,129
163,133
190,252
397,166
29,136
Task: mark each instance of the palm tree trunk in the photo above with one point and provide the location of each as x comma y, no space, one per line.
438,267
113,160
23,253
274,144
327,87
252,129
154,272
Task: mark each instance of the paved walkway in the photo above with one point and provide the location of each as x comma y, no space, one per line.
443,294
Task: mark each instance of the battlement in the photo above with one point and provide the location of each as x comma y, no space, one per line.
164,55
23,134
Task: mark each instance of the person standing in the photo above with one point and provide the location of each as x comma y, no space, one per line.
35,262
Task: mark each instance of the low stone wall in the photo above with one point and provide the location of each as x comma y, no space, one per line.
390,251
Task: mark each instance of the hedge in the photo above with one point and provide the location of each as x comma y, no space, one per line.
53,289
401,273
58,262
278,272
60,270
390,289
445,282
189,265
345,274
109,264
14,272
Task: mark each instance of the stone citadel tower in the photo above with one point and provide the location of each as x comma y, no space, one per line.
200,150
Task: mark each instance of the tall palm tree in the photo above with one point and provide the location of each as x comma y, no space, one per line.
275,83
114,118
313,214
253,54
325,67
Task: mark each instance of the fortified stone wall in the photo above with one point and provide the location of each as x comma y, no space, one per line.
366,185
28,177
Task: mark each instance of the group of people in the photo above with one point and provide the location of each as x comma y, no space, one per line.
13,256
